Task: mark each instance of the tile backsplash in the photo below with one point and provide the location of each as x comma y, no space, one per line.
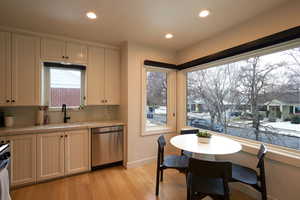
26,116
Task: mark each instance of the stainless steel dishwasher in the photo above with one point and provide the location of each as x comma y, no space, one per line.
107,145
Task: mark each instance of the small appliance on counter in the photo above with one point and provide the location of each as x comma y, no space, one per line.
1,119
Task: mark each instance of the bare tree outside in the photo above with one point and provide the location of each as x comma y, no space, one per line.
256,98
156,98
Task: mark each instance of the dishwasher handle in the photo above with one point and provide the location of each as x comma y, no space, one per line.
104,132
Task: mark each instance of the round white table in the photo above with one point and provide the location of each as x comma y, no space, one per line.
218,145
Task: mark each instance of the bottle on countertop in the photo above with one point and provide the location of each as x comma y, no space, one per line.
40,116
46,115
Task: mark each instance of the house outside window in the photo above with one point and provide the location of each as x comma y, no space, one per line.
63,85
158,97
256,97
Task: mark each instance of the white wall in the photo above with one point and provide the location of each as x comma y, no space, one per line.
279,19
140,148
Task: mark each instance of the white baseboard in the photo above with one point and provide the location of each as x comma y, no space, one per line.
249,191
140,162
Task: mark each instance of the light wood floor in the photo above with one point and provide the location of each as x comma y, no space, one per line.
112,184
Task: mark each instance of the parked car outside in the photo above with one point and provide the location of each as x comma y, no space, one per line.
206,124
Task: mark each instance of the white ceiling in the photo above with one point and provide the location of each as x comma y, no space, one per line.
144,21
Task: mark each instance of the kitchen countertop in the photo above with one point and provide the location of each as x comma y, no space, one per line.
56,127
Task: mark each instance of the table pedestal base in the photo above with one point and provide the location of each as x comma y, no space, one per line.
204,157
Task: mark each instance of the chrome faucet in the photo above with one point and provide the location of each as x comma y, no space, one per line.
64,109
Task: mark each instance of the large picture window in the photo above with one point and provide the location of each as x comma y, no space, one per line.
158,94
256,98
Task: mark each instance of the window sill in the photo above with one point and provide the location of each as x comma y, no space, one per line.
158,131
276,153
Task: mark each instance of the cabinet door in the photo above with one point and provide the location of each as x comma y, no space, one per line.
95,76
50,155
53,49
23,159
76,53
25,70
76,151
112,77
5,69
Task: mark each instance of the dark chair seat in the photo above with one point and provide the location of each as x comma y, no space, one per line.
176,162
244,174
187,153
207,186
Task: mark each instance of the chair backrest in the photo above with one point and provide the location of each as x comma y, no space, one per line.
189,131
161,148
261,155
210,169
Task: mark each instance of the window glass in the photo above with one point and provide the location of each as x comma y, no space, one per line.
65,87
256,98
156,108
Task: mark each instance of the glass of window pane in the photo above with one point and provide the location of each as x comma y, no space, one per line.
156,107
255,98
65,87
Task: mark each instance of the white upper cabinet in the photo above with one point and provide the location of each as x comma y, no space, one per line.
76,53
103,77
112,77
5,68
59,50
95,76
53,49
25,70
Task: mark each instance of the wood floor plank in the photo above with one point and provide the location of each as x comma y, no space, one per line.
114,183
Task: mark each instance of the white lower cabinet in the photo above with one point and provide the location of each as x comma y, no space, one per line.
62,153
50,155
23,159
76,152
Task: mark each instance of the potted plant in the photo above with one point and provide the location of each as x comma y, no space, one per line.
203,137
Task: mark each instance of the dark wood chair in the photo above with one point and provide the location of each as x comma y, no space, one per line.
208,178
188,131
169,162
249,176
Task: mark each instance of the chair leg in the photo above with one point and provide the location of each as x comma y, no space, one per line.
157,182
161,175
263,189
264,193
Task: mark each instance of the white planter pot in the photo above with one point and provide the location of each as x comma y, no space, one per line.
203,140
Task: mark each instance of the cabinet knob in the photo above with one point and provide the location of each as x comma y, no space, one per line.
61,136
66,135
67,57
13,101
63,56
7,101
7,141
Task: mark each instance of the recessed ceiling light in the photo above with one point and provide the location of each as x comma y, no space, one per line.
169,36
204,13
91,15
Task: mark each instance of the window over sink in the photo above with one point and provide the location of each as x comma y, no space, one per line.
63,84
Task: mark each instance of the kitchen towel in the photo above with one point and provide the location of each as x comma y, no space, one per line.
4,184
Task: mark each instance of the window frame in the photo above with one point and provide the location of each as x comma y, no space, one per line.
171,101
46,95
280,153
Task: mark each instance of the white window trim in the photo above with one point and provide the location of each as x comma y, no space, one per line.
171,102
275,152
